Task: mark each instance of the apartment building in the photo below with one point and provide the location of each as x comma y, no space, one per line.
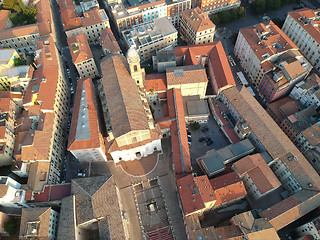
289,165
108,42
214,6
196,27
95,204
309,230
7,57
199,194
23,38
39,223
11,194
302,27
15,77
307,92
82,56
8,111
91,23
289,69
131,131
85,140
40,129
149,37
256,175
257,46
128,14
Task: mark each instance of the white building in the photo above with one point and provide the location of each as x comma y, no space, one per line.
258,45
302,27
11,195
149,37
307,92
311,228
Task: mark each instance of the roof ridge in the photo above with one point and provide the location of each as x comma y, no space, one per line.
81,187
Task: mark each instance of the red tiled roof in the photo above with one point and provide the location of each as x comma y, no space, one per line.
157,82
52,193
108,41
94,140
224,180
82,51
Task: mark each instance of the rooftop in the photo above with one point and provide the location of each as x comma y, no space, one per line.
108,41
84,130
79,48
267,39
198,20
156,81
148,32
6,54
309,20
186,75
259,172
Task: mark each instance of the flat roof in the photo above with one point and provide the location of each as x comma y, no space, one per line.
198,107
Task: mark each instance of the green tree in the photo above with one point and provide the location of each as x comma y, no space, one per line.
11,227
31,10
215,19
259,6
19,61
196,126
241,12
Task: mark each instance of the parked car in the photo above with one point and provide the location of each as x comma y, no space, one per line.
189,143
205,129
188,132
189,139
189,135
202,139
209,143
208,139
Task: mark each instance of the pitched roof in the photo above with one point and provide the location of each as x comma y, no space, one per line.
198,20
275,141
3,190
217,59
94,17
41,214
311,27
108,41
19,31
126,110
84,118
93,198
156,81
258,170
38,175
4,16
186,74
79,48
44,18
263,37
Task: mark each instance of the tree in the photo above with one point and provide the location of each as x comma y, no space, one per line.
225,16
196,126
241,12
10,226
259,6
19,61
31,10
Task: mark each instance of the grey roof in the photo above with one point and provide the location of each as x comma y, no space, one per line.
5,55
199,107
93,198
167,54
214,161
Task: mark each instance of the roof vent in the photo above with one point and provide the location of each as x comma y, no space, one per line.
83,125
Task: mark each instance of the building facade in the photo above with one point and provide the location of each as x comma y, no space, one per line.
196,27
214,6
301,26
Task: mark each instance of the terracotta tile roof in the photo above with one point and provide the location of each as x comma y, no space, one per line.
44,17
79,48
204,188
285,107
186,74
230,232
41,214
38,175
156,81
4,104
217,59
191,198
93,17
19,31
312,134
95,139
125,109
179,139
267,38
68,15
3,190
4,16
312,29
275,141
45,77
195,230
227,188
258,170
108,41
198,20
291,208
